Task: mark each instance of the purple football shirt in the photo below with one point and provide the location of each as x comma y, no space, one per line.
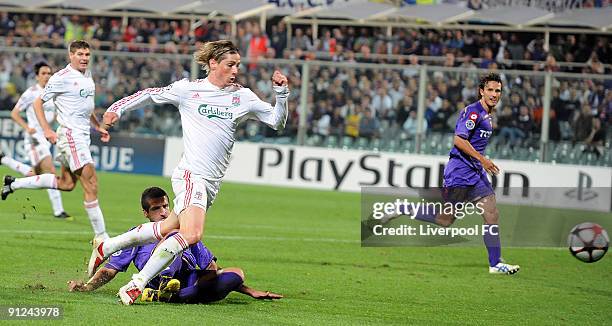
195,257
474,124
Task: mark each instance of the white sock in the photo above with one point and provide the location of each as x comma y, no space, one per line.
161,258
15,165
56,201
143,234
96,218
42,181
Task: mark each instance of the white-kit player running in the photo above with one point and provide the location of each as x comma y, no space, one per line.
34,141
210,110
72,90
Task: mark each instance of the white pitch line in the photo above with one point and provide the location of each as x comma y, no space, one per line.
257,238
212,236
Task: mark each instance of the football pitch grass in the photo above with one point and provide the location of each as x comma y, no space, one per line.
305,245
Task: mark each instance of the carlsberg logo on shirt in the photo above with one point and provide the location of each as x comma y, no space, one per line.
215,112
86,92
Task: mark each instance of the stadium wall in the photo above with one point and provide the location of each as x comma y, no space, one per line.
544,184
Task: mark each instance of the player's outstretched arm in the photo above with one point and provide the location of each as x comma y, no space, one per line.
104,135
102,276
465,146
257,294
160,95
275,117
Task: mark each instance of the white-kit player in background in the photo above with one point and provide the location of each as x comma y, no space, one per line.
34,142
210,111
72,90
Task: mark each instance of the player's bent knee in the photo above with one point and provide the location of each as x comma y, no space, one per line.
93,190
491,217
89,186
65,184
193,236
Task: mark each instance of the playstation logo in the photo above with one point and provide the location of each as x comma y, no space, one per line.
583,192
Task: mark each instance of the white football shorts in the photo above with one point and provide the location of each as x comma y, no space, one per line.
37,147
73,148
192,190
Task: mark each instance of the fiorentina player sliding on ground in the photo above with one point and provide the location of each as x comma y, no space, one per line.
210,110
194,278
465,175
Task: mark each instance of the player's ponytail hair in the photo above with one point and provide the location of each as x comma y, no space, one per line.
492,76
214,50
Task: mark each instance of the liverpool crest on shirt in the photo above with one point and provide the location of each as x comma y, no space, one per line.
235,100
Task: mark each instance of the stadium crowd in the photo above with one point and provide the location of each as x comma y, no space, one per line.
340,43
343,102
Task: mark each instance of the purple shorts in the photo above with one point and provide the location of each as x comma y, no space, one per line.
468,193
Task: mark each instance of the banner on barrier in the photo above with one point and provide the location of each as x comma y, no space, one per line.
121,154
350,170
128,154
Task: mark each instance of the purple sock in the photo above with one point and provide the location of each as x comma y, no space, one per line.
491,240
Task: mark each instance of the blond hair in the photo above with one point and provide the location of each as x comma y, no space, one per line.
214,50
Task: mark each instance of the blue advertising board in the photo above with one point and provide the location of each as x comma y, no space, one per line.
125,154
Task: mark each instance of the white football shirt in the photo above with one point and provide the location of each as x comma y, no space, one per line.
73,93
209,116
25,104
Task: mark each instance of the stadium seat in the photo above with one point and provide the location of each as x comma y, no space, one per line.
376,144
408,146
491,152
521,153
314,140
331,141
390,145
533,154
606,159
578,154
448,141
347,142
505,152
361,143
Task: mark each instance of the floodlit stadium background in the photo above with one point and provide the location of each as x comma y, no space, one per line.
411,66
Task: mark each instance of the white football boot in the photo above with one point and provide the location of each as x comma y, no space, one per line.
503,268
129,293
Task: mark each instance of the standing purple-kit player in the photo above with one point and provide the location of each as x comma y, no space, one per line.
194,277
465,175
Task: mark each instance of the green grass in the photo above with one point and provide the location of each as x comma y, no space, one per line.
305,245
